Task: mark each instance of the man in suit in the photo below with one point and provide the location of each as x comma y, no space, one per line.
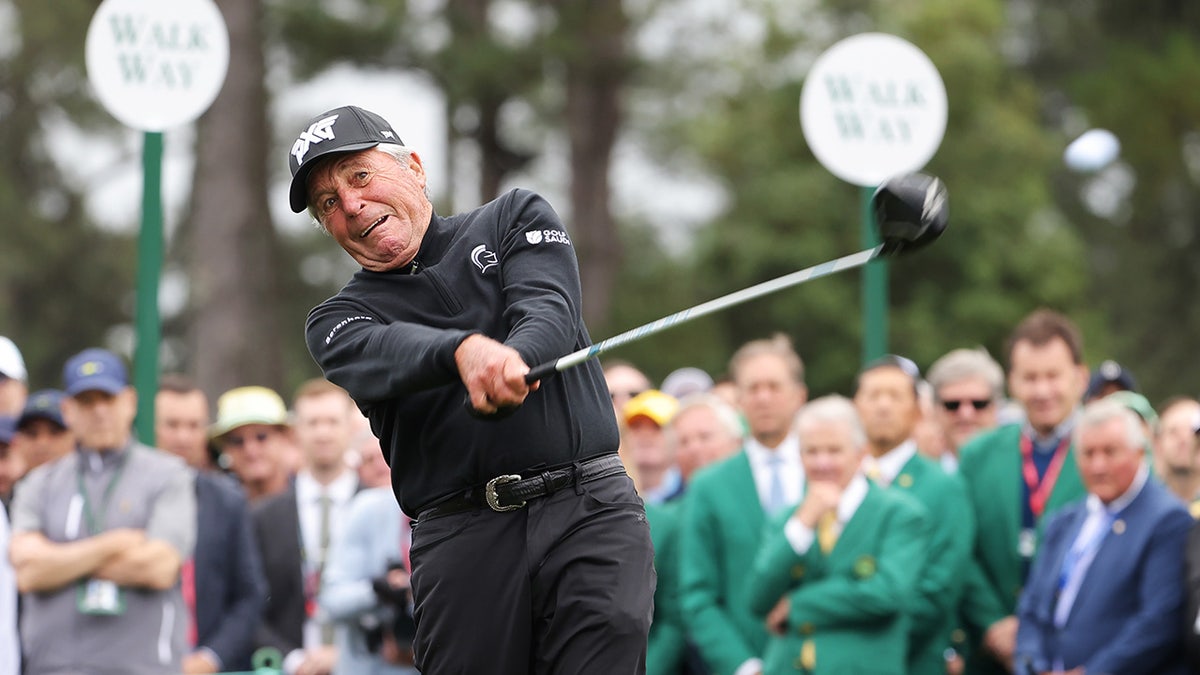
223,585
727,504
886,400
296,530
836,577
1017,475
1106,592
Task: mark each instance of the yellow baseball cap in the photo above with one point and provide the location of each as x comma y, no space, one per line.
653,404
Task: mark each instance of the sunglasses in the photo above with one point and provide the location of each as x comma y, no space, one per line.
614,395
976,403
239,441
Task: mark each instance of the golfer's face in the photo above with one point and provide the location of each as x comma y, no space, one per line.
373,205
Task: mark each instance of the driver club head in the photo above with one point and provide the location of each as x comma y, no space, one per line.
910,212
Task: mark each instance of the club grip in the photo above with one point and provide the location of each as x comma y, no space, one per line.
540,372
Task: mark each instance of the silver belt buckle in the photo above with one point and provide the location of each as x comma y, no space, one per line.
493,499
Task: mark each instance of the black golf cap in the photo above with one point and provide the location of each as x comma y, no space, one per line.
345,129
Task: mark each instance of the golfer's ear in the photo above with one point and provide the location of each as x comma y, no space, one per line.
414,163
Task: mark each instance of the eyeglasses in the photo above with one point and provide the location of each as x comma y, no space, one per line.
976,403
614,395
239,441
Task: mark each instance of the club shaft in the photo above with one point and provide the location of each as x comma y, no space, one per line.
724,302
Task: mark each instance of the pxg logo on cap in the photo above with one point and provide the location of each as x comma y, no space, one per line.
94,370
345,129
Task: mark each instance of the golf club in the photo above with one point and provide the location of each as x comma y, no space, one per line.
910,211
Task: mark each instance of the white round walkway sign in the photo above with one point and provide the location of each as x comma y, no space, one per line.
157,64
873,106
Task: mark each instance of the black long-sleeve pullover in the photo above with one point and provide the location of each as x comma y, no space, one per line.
506,270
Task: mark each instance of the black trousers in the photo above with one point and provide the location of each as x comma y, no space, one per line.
564,586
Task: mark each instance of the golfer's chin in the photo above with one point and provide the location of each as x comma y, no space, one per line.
382,263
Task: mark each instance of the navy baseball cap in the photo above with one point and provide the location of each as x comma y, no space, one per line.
1109,372
8,429
94,370
43,405
345,129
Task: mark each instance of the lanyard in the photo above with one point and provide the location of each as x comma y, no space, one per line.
1082,551
95,522
1039,491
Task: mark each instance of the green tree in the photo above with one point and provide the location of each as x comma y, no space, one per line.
1132,68
65,284
1008,249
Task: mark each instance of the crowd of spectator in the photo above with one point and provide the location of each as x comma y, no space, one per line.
1031,518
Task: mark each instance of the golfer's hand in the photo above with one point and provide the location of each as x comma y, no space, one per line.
493,373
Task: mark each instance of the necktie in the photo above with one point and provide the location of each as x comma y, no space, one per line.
775,499
871,469
325,504
826,534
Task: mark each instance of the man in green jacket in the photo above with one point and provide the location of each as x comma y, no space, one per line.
727,505
836,577
886,400
1017,475
704,430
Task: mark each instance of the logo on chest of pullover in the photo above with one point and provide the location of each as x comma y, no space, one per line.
484,258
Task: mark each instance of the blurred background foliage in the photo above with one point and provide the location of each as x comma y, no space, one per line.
704,88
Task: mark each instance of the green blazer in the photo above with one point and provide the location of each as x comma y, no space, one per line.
721,526
940,582
665,651
990,465
853,605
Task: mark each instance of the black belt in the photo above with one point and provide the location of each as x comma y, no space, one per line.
510,492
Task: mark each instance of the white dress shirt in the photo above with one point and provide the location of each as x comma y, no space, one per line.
308,505
790,470
891,463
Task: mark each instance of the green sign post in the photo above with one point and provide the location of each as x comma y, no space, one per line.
873,106
154,65
150,256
